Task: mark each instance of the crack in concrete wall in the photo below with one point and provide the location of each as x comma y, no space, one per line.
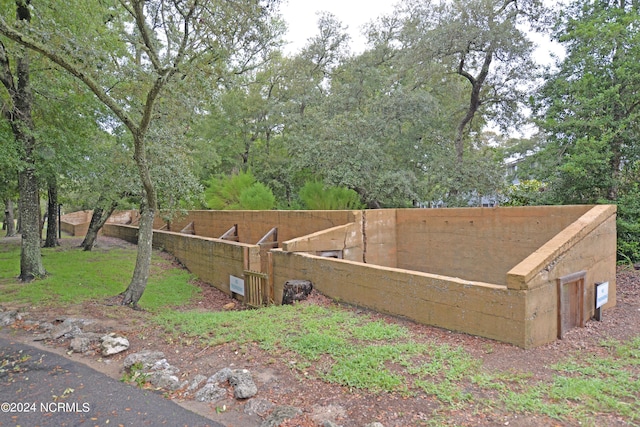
364,236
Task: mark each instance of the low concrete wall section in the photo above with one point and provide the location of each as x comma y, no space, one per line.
212,260
76,223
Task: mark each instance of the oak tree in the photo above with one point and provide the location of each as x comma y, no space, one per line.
132,60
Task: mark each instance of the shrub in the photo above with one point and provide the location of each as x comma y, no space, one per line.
240,191
316,196
257,197
628,225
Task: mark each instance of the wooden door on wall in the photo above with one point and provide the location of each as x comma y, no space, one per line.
570,302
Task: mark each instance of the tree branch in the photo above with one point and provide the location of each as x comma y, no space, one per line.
150,47
464,73
6,77
74,70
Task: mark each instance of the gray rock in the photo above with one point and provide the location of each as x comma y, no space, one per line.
374,424
9,317
41,337
164,366
164,380
46,326
221,376
60,330
69,328
243,385
82,323
258,407
63,329
113,344
80,344
32,323
196,382
210,392
146,358
91,335
328,423
74,332
280,414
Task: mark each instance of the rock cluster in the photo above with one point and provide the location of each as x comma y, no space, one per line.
161,374
85,335
8,317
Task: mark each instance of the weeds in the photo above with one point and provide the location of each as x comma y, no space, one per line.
135,375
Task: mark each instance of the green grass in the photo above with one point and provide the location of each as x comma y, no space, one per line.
338,346
606,384
348,349
583,385
74,275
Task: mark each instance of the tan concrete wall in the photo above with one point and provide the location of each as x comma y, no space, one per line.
588,244
212,260
74,229
477,244
519,306
121,231
78,217
76,223
380,240
124,217
371,239
253,225
482,309
346,238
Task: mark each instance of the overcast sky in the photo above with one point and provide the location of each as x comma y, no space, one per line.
302,21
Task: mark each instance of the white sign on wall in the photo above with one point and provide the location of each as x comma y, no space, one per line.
236,284
602,294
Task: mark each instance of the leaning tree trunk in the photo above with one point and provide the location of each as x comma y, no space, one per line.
51,240
98,219
148,207
136,288
9,219
475,101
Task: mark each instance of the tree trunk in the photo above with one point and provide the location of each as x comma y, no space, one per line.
51,240
19,221
148,209
136,288
21,120
475,100
30,257
9,219
98,219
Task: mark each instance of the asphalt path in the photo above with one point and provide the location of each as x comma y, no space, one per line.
40,388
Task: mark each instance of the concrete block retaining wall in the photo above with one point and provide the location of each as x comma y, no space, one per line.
488,272
76,223
253,225
476,308
212,260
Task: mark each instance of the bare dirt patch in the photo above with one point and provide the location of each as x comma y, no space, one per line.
281,384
